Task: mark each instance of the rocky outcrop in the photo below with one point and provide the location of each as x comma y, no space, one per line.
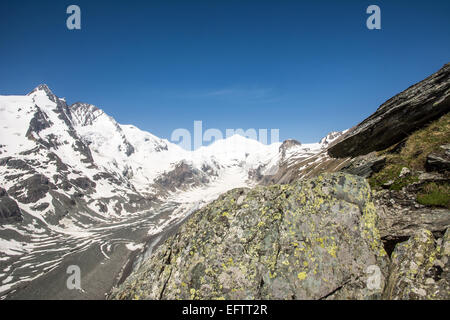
46,89
305,167
331,137
182,176
32,189
286,145
366,165
83,183
85,114
398,117
401,216
9,210
38,123
314,239
420,268
439,161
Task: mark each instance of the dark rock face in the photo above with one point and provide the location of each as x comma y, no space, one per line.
83,149
183,175
439,161
32,189
83,183
4,161
314,239
107,176
399,116
47,91
9,210
60,166
18,164
287,145
38,123
365,166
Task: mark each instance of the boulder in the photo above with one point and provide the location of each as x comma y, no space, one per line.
417,270
398,117
314,239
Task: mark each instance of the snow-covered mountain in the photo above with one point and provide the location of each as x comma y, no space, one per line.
75,165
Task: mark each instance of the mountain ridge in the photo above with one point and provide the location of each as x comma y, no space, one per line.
82,140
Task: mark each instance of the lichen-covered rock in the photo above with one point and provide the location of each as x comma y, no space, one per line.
419,268
313,239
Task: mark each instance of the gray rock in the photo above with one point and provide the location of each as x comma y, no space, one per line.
366,165
404,172
9,210
431,177
31,189
398,117
182,176
439,161
314,239
413,274
83,183
387,184
400,216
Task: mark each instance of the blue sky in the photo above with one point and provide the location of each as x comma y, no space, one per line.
306,68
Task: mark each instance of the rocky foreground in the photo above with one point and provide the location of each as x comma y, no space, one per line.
311,239
314,239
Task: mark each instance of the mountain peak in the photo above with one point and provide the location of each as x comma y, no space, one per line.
42,87
290,143
330,137
85,113
84,106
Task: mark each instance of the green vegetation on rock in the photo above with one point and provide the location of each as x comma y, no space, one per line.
434,194
413,153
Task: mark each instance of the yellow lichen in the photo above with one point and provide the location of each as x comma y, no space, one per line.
301,276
